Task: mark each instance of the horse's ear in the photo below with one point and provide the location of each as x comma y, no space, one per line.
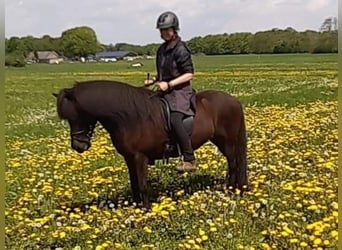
69,94
55,95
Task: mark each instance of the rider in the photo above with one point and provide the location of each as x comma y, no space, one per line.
174,72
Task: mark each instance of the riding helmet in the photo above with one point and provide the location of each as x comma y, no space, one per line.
168,19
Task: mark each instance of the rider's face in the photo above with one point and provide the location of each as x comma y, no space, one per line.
167,34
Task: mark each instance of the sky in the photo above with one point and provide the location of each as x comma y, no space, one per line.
134,21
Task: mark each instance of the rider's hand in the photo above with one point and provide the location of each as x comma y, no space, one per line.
149,82
163,86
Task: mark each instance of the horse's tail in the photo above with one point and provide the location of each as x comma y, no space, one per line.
241,154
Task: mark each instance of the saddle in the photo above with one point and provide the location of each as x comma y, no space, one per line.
172,148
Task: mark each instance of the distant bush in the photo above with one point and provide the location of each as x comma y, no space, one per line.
15,60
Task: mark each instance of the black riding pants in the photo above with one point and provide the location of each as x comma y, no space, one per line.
181,136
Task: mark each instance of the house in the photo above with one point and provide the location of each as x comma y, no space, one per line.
31,58
108,56
50,57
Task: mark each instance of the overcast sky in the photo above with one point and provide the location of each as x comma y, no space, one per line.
134,21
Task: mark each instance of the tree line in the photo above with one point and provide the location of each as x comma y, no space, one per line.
82,41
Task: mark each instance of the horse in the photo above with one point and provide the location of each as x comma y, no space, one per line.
135,119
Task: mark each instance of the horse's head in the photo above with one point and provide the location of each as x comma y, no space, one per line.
80,122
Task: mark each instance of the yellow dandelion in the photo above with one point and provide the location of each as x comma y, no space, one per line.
147,229
288,230
84,227
265,246
284,234
281,216
317,241
197,246
293,241
204,237
204,166
62,235
187,246
313,207
164,214
191,241
118,245
326,242
180,192
105,244
334,234
335,205
303,244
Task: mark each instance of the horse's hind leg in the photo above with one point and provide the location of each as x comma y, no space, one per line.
236,177
228,151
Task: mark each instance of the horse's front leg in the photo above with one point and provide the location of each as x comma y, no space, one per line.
137,166
133,179
141,168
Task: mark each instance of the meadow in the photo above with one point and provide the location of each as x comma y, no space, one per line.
59,199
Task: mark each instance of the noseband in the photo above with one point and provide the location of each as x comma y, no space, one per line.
76,135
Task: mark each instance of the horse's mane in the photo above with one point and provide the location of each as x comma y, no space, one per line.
126,104
65,109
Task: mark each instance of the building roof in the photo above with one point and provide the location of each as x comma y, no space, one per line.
47,55
31,56
42,55
114,54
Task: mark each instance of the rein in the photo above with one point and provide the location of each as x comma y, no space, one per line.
154,88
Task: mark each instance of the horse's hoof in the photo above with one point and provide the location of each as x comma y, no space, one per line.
219,187
147,206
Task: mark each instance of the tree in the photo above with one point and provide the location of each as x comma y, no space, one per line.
329,24
17,45
326,43
79,41
240,43
82,41
15,59
263,42
111,47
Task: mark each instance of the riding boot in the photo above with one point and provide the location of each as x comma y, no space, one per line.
189,164
186,166
184,142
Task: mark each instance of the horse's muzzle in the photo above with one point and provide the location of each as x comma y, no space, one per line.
80,146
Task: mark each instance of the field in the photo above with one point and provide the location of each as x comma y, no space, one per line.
58,199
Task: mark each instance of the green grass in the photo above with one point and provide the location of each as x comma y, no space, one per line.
291,108
256,80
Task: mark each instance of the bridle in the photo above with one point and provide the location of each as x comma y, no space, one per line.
76,135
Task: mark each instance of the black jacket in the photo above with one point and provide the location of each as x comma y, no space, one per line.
173,60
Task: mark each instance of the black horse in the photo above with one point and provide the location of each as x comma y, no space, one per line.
135,119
